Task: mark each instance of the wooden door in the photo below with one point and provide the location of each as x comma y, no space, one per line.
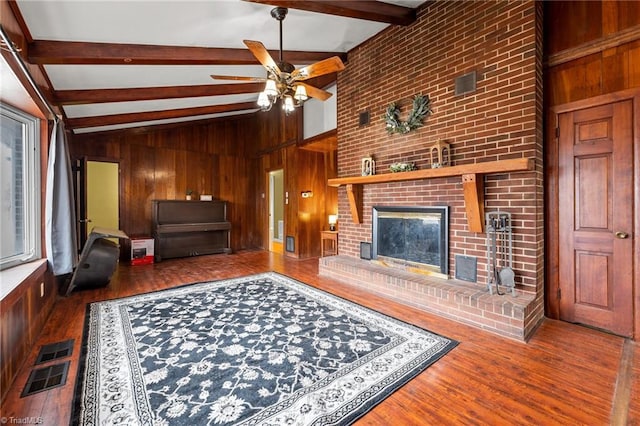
596,217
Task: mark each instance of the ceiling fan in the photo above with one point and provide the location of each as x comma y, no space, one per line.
283,80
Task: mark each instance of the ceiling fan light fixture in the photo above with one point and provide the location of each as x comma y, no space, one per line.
282,81
263,102
288,106
270,89
301,93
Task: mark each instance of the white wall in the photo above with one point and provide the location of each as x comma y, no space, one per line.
319,116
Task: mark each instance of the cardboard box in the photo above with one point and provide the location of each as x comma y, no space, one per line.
141,250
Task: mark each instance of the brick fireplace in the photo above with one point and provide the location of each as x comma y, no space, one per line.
501,120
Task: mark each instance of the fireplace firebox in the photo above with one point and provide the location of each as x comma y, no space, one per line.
413,237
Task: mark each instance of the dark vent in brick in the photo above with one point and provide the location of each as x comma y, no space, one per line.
365,251
290,244
363,118
466,268
46,378
54,351
465,83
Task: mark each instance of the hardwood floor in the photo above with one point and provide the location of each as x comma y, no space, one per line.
565,375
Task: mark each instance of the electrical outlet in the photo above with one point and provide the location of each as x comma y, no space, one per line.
42,289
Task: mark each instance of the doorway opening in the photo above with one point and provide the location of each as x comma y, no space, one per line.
98,197
276,210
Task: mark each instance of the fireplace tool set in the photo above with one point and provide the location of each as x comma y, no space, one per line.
499,252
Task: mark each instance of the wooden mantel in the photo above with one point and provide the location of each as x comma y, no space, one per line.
472,184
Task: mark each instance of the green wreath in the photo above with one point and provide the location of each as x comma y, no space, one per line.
421,107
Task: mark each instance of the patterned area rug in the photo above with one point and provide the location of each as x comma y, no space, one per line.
257,350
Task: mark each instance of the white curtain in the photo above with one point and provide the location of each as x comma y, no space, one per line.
60,215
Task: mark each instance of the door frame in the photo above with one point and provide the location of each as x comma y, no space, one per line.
80,184
552,202
269,202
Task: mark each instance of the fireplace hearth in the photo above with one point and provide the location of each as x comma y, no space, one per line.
412,237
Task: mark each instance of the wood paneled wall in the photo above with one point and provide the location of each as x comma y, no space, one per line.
592,48
210,158
327,144
228,158
23,314
569,24
305,172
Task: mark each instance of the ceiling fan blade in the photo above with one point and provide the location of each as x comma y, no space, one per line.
323,67
262,54
237,78
314,92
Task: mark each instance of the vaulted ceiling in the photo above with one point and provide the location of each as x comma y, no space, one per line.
121,64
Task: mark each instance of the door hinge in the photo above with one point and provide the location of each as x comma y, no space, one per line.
559,294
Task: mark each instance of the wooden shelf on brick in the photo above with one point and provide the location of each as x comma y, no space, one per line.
472,184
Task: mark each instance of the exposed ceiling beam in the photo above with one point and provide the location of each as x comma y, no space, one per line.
85,53
96,96
361,9
106,120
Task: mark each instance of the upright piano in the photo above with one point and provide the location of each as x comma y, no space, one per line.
190,228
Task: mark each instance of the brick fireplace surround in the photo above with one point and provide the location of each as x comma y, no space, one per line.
502,119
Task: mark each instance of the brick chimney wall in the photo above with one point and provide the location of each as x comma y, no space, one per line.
502,119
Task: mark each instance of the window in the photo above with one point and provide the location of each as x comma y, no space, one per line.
19,187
